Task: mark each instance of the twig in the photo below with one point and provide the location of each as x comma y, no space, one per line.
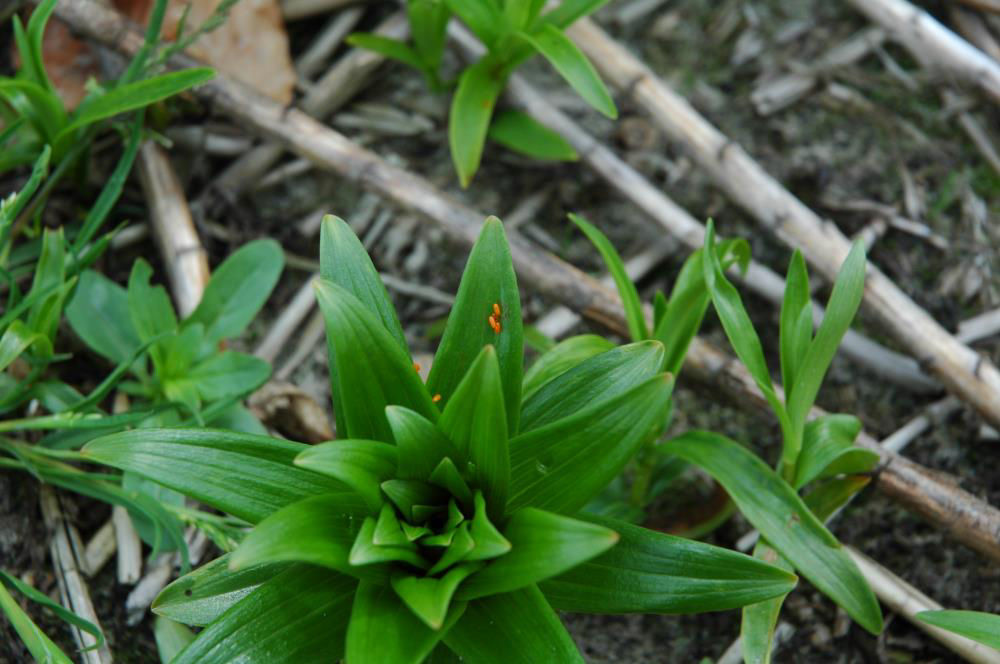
293,10
971,520
934,45
173,228
99,549
287,322
332,91
310,335
66,559
985,5
773,95
962,370
907,601
979,327
675,220
312,60
972,27
129,546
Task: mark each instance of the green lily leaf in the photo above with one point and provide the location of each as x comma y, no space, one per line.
297,616
561,358
171,637
512,627
383,629
360,464
98,314
796,320
522,133
489,542
365,552
471,110
634,316
428,597
238,289
206,593
428,28
830,440
368,369
420,444
488,285
476,421
775,509
573,66
649,572
598,378
344,261
759,620
975,625
318,530
447,476
150,309
844,301
241,474
227,374
553,467
542,545
50,272
483,18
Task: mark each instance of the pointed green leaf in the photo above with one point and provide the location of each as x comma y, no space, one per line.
573,66
844,301
827,439
759,620
553,467
430,598
775,509
684,312
420,443
447,476
460,547
201,596
368,369
599,378
561,358
31,52
488,280
98,314
171,638
482,16
660,306
522,133
389,48
360,464
796,320
428,25
407,494
476,421
297,616
388,530
238,289
471,110
634,316
383,629
150,309
650,572
318,530
38,644
227,374
241,474
135,95
344,261
543,545
365,552
513,627
975,625
490,543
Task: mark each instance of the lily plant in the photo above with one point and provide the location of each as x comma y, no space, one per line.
445,522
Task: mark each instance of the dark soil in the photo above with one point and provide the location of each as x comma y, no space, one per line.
824,150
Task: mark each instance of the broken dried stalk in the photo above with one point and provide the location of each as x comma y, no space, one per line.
963,371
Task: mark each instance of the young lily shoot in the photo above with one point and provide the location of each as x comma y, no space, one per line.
445,521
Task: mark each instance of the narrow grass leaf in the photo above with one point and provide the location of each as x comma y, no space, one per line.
796,320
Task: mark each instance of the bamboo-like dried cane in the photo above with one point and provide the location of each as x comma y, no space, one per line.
932,44
971,520
963,371
173,228
67,559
